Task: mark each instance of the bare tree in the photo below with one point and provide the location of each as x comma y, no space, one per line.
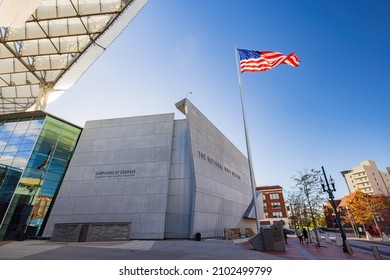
295,201
307,182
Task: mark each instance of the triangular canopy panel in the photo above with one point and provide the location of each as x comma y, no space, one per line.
46,45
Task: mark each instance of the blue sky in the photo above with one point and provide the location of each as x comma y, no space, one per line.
331,111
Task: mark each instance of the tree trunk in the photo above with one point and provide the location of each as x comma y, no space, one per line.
376,224
313,219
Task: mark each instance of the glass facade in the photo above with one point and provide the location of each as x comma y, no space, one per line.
34,154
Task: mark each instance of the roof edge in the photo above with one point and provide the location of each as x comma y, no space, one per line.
38,113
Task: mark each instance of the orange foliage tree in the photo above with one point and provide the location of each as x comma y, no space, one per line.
364,207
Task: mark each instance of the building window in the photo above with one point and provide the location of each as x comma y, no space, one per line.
277,215
35,151
266,215
275,205
274,196
265,206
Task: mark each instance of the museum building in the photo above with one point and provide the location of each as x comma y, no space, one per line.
163,177
146,177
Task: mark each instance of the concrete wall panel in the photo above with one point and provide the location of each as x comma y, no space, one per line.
119,173
222,185
181,185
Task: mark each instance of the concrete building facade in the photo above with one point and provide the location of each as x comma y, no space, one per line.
168,178
368,178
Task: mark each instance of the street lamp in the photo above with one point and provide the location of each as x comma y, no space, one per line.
326,188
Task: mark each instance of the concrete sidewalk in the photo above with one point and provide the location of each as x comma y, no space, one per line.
212,249
327,251
129,250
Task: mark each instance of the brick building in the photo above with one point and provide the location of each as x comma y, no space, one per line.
274,205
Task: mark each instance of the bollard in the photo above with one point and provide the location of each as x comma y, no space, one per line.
368,235
377,255
339,241
327,238
349,248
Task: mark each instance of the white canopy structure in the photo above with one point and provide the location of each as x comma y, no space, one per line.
46,45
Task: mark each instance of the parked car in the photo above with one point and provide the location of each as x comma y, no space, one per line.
288,231
373,230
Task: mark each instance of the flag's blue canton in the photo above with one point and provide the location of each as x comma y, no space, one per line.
247,54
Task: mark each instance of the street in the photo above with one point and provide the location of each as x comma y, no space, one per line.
383,247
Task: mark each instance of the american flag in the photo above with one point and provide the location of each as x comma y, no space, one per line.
45,162
256,61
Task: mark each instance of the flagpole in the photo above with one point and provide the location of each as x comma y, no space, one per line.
248,148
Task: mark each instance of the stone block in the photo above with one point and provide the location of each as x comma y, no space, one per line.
269,239
66,232
249,232
90,232
108,232
232,233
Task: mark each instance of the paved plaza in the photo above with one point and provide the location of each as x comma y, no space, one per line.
211,249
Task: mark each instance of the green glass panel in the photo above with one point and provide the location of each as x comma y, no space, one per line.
45,165
51,156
